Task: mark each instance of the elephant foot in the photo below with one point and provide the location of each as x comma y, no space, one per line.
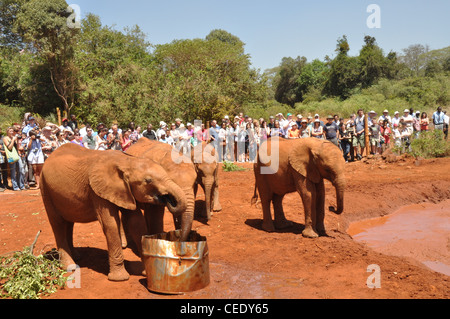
322,232
65,259
309,233
268,226
283,224
119,275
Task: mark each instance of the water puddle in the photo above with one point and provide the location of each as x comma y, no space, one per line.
418,231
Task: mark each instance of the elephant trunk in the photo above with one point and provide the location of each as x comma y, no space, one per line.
175,198
208,183
187,217
339,184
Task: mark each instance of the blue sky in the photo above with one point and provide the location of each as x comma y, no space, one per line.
276,29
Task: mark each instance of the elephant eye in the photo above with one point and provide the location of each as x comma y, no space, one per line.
148,180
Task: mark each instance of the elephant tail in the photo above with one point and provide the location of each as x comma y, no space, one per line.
255,197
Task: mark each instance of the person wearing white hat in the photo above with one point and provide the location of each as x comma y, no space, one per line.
371,117
162,130
385,116
408,121
396,119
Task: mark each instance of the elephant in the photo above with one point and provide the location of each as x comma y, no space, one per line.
303,164
81,186
207,169
181,170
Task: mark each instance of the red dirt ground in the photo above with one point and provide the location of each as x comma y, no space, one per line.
248,263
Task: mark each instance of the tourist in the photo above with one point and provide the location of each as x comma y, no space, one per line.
438,119
385,117
385,132
446,124
374,137
359,142
331,130
150,133
35,155
89,141
397,136
416,124
12,156
101,140
126,140
344,140
305,130
294,132
424,122
396,119
317,130
115,138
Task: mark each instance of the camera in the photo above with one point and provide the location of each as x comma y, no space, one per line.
38,137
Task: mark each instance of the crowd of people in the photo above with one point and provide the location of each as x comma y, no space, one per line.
26,146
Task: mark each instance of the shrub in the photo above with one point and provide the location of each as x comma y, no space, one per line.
25,276
232,167
430,144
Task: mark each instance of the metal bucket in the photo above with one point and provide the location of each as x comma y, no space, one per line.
175,267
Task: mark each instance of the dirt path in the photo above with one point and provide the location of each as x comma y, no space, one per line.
246,262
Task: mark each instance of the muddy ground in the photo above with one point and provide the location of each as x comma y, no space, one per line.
246,262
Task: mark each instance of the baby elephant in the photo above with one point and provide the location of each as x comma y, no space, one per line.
80,186
299,166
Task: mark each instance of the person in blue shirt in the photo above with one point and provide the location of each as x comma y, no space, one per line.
214,132
30,126
438,119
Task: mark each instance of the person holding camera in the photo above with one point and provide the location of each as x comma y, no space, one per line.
36,154
10,142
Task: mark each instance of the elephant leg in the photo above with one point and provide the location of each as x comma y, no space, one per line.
108,216
265,195
195,189
123,237
134,223
154,218
307,191
60,229
280,220
208,190
216,202
69,235
320,209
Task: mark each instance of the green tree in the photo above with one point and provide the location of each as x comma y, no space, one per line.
313,77
43,24
344,73
287,88
372,62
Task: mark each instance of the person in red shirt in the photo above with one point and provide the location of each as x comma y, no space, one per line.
385,131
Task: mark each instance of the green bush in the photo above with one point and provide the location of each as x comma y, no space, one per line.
25,276
430,144
10,115
232,167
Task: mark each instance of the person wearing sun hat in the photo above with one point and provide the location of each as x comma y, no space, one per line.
408,121
385,116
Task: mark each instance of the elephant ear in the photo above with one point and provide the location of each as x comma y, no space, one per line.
303,160
108,180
